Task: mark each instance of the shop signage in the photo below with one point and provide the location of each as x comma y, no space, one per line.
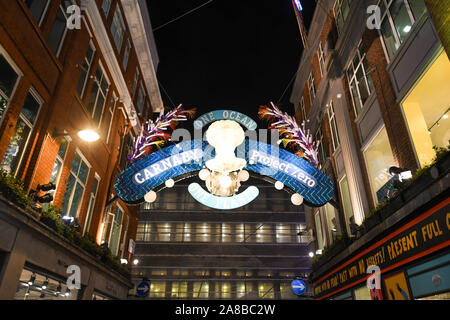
223,203
212,116
298,287
427,233
143,289
190,156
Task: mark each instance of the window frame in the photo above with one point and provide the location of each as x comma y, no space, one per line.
122,27
321,56
63,37
91,204
311,88
44,12
106,94
332,120
89,70
19,74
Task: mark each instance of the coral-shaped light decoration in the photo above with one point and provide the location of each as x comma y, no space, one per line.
292,133
156,134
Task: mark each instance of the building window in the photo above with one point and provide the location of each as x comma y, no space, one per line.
116,231
283,233
362,293
56,172
118,28
346,202
37,9
22,132
111,109
379,159
333,126
319,235
321,56
163,234
426,110
179,290
398,17
8,81
266,290
360,80
90,210
341,10
311,88
85,70
135,82
75,187
223,290
141,100
322,153
157,289
126,54
331,221
200,290
97,99
59,28
303,109
286,291
106,5
264,233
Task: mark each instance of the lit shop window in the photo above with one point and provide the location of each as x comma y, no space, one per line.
222,290
266,290
344,296
362,293
426,110
179,290
201,273
346,201
91,206
163,232
106,5
157,289
37,9
359,80
38,286
264,233
85,70
240,290
21,135
200,290
59,28
75,187
318,230
379,158
283,233
99,92
203,233
8,81
341,10
118,28
398,17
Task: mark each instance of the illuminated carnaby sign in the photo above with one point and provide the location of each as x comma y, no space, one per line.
223,203
152,171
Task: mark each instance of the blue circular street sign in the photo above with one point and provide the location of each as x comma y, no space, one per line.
143,289
298,287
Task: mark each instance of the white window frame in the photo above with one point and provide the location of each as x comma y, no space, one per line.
40,101
19,73
120,28
109,7
60,45
89,70
303,109
105,77
311,88
331,120
120,229
126,54
135,82
69,203
321,56
39,23
58,158
112,109
92,201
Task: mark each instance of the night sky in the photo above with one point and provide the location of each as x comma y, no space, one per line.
229,54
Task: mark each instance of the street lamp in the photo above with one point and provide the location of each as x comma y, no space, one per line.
87,135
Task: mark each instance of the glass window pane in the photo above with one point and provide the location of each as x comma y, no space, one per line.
355,97
266,291
388,37
417,7
346,201
63,148
16,147
401,18
76,200
84,170
318,231
67,194
57,31
55,171
76,163
37,8
99,109
30,108
157,289
362,86
8,77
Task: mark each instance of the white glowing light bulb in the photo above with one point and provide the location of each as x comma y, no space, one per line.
297,199
204,174
150,197
170,183
225,181
279,185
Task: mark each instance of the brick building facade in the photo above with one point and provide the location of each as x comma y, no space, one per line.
375,99
56,81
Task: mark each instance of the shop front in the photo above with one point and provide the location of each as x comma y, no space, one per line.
413,259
